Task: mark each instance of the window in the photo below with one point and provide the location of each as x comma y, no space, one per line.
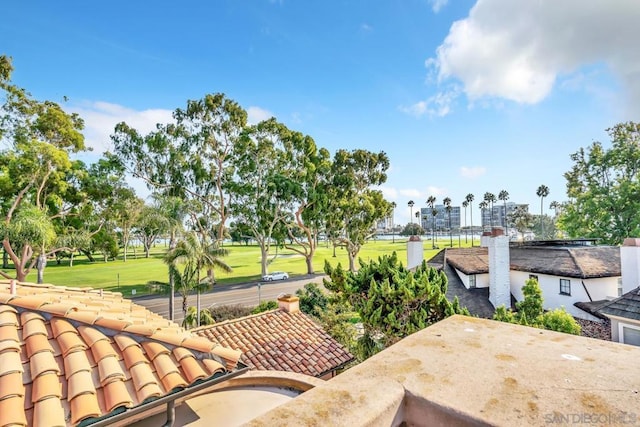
630,335
565,287
619,286
472,281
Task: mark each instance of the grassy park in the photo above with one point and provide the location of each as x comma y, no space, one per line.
136,272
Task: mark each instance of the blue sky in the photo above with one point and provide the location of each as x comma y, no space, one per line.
464,96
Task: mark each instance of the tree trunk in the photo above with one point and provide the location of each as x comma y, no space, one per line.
198,307
184,305
172,299
5,260
263,258
71,259
88,255
309,259
40,265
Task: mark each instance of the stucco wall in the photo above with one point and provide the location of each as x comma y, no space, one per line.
482,280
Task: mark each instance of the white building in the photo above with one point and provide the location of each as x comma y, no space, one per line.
568,272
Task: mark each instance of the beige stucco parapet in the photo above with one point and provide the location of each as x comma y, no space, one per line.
469,371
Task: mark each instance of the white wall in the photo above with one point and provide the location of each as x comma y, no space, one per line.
630,265
482,280
617,323
550,286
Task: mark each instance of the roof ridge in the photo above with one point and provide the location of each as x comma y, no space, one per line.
575,261
236,320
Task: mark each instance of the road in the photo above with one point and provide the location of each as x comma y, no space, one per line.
245,294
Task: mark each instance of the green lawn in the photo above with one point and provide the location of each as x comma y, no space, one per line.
135,273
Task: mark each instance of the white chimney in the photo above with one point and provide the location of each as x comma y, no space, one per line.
499,286
415,252
630,264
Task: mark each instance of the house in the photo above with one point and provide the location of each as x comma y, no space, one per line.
624,311
71,356
284,339
568,271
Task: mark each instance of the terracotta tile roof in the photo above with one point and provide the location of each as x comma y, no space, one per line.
280,340
68,355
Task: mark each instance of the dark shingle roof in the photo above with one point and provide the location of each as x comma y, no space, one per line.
281,341
628,306
584,262
475,300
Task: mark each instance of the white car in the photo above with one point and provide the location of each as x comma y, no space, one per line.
276,275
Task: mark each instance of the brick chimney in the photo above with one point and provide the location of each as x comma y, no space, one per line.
289,303
630,264
499,284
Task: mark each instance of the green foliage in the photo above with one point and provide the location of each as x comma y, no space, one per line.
530,312
191,318
392,301
412,229
603,187
312,300
227,312
265,306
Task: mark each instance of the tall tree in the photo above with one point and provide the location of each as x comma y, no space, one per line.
504,196
483,205
465,204
36,171
410,203
263,186
469,199
151,224
542,192
188,260
431,200
490,198
603,187
353,198
449,208
393,224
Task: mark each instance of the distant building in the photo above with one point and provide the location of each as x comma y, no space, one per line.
498,216
441,218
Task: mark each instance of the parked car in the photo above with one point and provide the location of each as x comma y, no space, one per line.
276,275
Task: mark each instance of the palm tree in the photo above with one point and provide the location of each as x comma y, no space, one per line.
542,192
504,196
469,199
448,208
483,205
410,204
490,198
430,202
555,206
465,204
187,260
393,225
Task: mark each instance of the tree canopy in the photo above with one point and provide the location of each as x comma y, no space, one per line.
603,187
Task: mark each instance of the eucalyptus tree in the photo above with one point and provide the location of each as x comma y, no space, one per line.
504,196
263,185
190,158
152,223
448,208
542,192
465,204
469,199
37,173
353,199
308,170
521,219
431,204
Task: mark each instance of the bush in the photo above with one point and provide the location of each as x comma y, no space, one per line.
265,306
228,312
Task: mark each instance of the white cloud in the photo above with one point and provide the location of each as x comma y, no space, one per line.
100,119
437,5
472,172
438,105
436,191
256,115
517,49
364,27
389,193
410,192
